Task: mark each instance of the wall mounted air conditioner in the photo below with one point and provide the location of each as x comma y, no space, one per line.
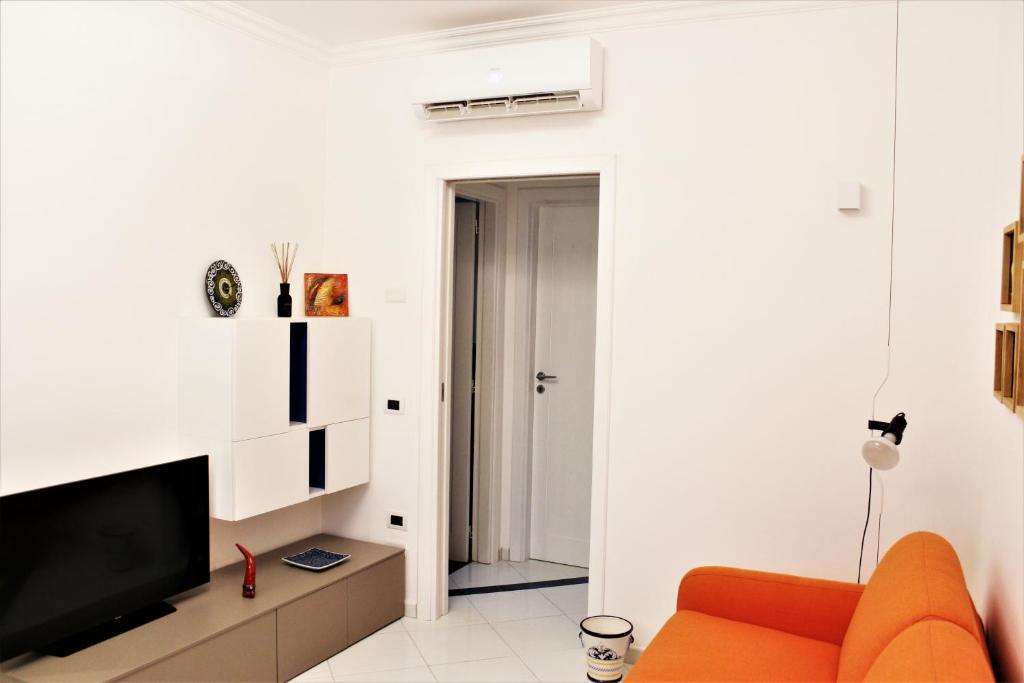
548,77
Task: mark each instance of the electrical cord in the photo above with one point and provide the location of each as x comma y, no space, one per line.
892,213
867,520
881,511
888,334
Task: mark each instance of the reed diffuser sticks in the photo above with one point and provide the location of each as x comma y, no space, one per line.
285,258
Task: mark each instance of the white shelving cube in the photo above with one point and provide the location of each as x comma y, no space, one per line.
269,473
260,376
338,370
235,404
348,449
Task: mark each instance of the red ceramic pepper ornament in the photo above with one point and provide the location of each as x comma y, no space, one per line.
249,582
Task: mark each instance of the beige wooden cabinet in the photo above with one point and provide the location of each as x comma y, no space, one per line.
297,620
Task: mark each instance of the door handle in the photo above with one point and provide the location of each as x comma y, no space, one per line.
541,377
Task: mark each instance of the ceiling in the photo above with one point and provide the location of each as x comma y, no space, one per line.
341,22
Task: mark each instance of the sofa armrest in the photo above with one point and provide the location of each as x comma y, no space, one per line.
813,608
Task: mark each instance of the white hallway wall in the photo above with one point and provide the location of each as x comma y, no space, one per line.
140,143
749,314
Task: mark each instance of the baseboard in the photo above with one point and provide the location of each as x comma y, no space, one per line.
410,609
633,654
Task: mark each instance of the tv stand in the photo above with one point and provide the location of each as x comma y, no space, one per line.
114,627
298,619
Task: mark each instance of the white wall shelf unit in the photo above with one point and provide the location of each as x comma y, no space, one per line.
281,406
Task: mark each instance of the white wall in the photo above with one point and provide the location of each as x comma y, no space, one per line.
140,143
749,315
961,135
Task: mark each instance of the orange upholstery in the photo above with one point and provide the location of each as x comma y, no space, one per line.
949,654
709,648
812,608
914,621
920,578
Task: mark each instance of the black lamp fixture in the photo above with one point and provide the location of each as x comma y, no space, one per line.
881,453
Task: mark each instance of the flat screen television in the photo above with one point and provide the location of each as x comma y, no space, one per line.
83,561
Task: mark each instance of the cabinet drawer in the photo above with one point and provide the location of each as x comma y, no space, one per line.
376,597
338,370
347,460
260,378
245,653
269,473
311,629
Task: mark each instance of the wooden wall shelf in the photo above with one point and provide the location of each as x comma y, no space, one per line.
1008,380
298,619
1007,335
1009,292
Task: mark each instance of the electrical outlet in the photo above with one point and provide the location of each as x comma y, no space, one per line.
397,520
393,406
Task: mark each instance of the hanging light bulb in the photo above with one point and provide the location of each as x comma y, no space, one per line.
881,453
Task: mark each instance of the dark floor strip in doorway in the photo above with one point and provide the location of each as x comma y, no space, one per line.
452,592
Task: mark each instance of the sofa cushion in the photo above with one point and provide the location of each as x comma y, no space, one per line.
693,646
919,578
931,651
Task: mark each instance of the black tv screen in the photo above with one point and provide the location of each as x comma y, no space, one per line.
78,555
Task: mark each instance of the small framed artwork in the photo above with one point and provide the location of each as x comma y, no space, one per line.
326,294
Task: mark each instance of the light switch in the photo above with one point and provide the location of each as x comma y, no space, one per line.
848,196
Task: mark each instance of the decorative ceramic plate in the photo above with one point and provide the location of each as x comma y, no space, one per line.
223,288
316,559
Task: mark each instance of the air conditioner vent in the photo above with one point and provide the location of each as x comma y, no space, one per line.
546,102
444,110
491,107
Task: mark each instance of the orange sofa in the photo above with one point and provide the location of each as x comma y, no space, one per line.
913,621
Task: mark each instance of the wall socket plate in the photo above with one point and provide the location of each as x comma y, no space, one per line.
397,520
393,406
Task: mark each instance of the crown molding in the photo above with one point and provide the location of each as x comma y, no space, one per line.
257,26
599,20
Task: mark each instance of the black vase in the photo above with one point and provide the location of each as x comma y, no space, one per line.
284,302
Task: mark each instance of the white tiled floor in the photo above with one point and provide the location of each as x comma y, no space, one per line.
512,636
474,575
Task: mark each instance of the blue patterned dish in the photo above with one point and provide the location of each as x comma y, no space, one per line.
316,559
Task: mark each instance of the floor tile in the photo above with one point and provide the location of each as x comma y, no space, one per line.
546,634
460,613
460,644
572,600
393,627
379,652
535,570
513,605
558,667
502,670
321,673
475,574
419,674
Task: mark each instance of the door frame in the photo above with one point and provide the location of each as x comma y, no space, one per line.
486,508
437,247
472,425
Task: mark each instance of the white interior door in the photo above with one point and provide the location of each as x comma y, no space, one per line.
563,414
463,303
